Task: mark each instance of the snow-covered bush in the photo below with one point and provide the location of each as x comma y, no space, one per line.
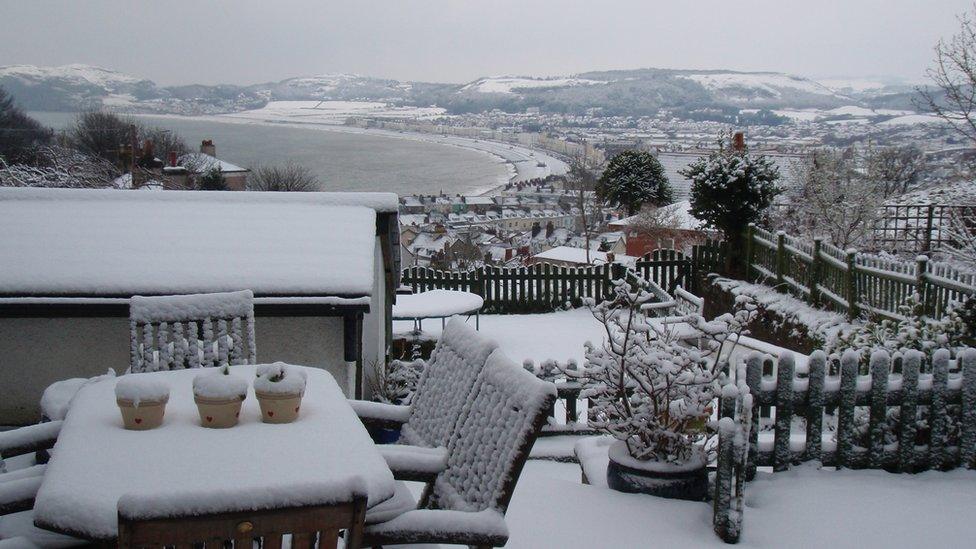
648,390
394,382
731,188
913,331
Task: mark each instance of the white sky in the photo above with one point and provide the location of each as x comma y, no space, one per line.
247,41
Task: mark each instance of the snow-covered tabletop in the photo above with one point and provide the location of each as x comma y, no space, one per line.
325,456
436,304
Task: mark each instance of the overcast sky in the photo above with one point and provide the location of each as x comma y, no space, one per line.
245,41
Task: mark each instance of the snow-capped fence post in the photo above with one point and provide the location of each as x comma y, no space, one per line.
754,364
845,414
921,283
732,462
938,409
910,365
880,367
780,260
967,439
815,404
784,412
750,249
816,272
850,285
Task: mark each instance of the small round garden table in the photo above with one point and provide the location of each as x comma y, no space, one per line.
440,304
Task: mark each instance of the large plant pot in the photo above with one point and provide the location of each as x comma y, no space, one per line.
218,413
279,407
666,480
147,415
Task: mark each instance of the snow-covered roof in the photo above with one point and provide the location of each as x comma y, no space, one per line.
571,255
679,213
111,243
201,162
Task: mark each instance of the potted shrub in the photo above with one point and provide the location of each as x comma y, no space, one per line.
393,383
279,389
218,397
655,395
142,400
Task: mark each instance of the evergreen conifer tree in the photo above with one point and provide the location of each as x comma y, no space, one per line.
634,178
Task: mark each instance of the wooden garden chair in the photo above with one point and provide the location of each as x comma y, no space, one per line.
191,331
444,388
465,502
313,526
18,487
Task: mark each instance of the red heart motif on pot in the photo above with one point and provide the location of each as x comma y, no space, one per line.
270,413
209,419
296,409
138,420
237,414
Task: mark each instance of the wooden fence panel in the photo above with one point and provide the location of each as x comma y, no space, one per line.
844,280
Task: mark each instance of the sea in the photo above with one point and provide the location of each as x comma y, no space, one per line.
341,161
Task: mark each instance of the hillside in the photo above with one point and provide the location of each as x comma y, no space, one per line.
637,92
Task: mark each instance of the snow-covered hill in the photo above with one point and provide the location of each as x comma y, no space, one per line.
73,86
741,87
512,84
638,92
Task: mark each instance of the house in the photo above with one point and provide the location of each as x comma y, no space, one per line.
195,164
672,226
323,268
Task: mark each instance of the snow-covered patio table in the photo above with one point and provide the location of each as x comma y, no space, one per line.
325,456
437,304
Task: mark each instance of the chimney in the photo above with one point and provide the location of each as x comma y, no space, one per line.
739,142
172,159
207,147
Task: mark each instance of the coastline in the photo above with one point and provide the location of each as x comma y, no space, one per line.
520,161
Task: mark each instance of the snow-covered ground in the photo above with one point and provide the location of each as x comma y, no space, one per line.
558,336
802,508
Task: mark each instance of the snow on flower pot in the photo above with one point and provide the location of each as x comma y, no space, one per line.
279,388
687,481
219,397
142,401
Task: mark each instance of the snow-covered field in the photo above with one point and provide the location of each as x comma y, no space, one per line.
332,112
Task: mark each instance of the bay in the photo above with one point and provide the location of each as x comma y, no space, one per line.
341,161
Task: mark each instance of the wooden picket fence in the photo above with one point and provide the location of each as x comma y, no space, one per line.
935,428
534,289
826,276
544,287
667,268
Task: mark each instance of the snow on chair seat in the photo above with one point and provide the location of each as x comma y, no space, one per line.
191,331
466,502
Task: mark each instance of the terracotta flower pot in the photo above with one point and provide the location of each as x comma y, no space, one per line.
279,407
147,415
219,413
